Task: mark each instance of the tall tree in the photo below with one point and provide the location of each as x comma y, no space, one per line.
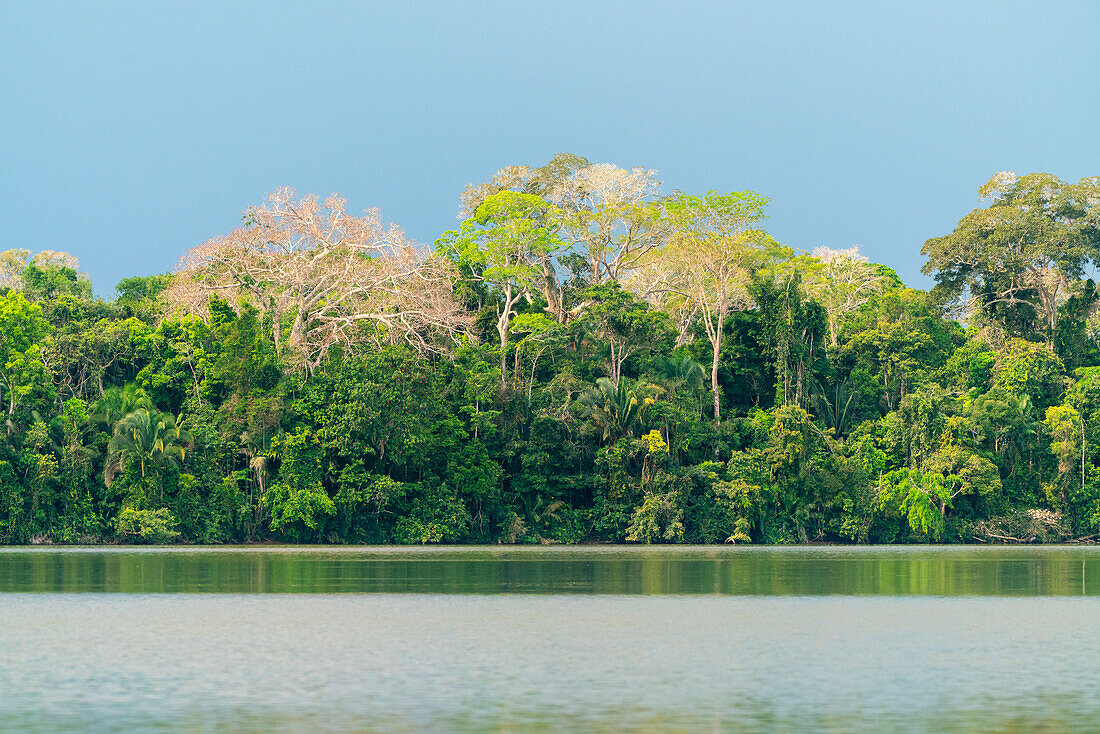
44,275
547,181
12,264
611,217
713,246
614,218
794,326
1024,252
511,242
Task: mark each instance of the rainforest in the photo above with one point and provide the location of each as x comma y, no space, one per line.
583,358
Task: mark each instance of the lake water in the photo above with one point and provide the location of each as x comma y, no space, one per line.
524,639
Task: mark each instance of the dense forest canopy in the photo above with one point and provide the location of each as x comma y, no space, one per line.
583,358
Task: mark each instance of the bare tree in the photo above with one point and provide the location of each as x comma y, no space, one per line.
323,275
842,281
56,258
509,178
14,262
614,218
660,283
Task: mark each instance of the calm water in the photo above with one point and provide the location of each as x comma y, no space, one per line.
584,639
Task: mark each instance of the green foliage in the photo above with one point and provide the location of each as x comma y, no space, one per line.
1017,255
1030,369
147,526
651,370
137,296
22,330
117,402
925,498
616,410
658,519
49,281
298,503
148,442
436,515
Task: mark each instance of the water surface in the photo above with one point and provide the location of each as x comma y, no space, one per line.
575,639
774,571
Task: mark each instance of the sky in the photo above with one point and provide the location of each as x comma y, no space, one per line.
132,132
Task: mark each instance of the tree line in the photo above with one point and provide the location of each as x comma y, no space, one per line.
583,358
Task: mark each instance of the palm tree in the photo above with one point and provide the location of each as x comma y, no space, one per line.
833,408
148,439
615,409
682,371
118,402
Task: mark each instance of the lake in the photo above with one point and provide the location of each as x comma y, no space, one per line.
504,639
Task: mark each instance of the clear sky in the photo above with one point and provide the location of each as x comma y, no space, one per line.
131,132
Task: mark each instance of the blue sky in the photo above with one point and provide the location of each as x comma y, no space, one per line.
131,132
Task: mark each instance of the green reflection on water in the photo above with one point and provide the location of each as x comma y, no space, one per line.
940,571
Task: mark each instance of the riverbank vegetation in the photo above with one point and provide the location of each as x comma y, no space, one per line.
583,358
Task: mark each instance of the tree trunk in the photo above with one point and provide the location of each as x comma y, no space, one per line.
717,344
616,361
277,331
297,332
682,337
502,330
798,383
552,293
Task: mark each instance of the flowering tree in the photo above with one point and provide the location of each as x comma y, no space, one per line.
12,264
